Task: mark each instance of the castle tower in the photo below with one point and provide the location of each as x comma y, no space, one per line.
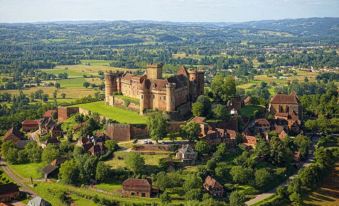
200,82
108,86
154,71
170,99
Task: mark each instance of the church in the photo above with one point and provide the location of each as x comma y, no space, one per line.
172,95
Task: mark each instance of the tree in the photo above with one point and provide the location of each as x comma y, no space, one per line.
197,109
33,152
206,103
102,172
220,112
192,182
157,126
262,178
262,150
221,152
190,131
57,85
241,174
280,154
135,162
303,143
202,147
165,198
310,176
223,88
86,84
111,145
50,153
237,199
193,194
69,172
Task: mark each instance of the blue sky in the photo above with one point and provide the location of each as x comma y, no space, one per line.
164,10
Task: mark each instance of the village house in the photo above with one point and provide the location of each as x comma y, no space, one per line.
287,108
213,187
136,187
49,126
30,125
9,192
261,125
186,154
52,169
93,145
13,135
235,103
250,141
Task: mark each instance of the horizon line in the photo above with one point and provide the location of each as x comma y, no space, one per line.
161,21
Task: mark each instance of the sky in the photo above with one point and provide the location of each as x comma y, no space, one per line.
164,10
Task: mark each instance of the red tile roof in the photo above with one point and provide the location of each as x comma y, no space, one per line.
211,182
141,185
285,99
49,113
30,122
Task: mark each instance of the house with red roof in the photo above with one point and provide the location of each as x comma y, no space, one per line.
136,187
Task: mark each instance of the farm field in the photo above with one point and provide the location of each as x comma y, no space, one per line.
87,67
328,193
114,113
71,93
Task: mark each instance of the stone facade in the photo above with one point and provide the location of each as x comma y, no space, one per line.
173,94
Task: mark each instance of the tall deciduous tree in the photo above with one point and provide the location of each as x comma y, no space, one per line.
190,131
157,126
223,88
135,162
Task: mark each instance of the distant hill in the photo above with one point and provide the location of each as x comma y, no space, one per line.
304,27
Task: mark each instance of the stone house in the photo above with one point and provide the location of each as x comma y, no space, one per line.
261,125
250,141
52,169
30,125
213,187
186,154
9,192
136,187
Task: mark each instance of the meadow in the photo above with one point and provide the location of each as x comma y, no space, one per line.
114,113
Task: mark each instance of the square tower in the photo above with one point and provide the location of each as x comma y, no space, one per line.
154,71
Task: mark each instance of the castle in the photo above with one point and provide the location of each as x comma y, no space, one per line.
173,95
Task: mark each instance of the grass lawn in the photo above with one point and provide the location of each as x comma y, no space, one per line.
29,170
51,191
250,110
109,187
114,113
120,156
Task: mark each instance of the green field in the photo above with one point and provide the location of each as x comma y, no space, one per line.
29,170
51,192
114,113
120,156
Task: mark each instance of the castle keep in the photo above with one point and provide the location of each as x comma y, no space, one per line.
173,94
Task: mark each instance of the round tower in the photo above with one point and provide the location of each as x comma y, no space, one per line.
108,86
170,99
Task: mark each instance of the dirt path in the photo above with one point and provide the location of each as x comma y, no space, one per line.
17,179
